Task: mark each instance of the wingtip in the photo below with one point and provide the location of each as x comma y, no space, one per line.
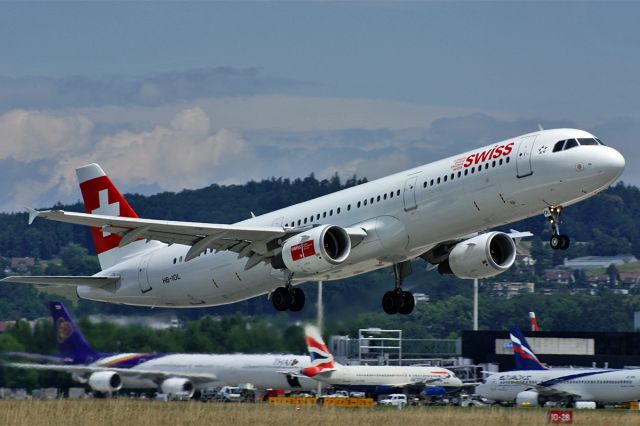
33,213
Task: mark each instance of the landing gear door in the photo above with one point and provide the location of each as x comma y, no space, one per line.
523,158
143,277
410,193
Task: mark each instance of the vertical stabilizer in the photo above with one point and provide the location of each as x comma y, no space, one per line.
70,339
321,359
101,197
525,358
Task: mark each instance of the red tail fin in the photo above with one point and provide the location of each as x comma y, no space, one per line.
101,197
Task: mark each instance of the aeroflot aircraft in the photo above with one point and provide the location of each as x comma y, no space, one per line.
172,373
533,383
439,212
378,379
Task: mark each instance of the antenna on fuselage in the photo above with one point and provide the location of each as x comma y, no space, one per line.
540,127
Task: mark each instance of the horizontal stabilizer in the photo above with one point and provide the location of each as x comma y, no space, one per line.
106,283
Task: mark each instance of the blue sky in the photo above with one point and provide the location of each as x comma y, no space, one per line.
183,94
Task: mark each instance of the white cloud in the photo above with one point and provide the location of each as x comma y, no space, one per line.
32,135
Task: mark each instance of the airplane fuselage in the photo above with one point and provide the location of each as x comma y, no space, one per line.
598,385
404,215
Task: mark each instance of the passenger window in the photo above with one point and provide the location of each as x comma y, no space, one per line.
338,211
558,146
365,202
571,143
324,214
438,181
431,182
359,204
398,194
299,222
180,260
331,212
424,184
378,199
318,216
466,172
508,159
175,260
459,174
480,168
494,163
500,162
452,176
391,194
473,170
445,178
385,196
348,207
305,220
371,200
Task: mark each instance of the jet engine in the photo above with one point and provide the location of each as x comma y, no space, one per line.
314,251
105,381
482,256
528,399
177,386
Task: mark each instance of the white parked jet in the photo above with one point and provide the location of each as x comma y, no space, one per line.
533,383
439,212
171,373
378,379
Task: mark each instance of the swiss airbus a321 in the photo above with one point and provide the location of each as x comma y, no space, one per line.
439,212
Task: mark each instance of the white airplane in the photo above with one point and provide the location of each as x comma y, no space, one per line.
534,384
439,212
378,379
171,373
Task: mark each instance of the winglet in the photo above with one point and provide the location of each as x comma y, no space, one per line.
33,213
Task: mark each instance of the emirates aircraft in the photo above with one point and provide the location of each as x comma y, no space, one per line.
439,212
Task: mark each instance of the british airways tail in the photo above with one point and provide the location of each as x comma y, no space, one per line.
525,358
71,341
321,359
101,197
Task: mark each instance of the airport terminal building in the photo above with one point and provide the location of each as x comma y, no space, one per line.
555,348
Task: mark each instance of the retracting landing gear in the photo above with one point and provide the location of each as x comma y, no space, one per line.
397,301
288,297
557,241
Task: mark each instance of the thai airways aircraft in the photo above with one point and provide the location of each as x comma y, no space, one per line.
370,378
439,212
534,384
171,373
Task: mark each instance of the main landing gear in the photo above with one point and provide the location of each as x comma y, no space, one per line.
288,297
397,301
557,241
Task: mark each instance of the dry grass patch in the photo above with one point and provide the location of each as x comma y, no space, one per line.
154,413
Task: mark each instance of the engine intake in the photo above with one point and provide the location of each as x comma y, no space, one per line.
177,386
105,381
483,256
314,251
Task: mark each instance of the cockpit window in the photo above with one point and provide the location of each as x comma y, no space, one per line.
558,146
587,141
571,143
600,141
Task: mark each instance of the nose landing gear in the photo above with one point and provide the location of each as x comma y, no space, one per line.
397,301
557,240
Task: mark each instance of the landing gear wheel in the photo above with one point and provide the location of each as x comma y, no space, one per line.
407,303
281,298
559,242
390,303
297,300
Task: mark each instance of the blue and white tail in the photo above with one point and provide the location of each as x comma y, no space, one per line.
71,341
525,358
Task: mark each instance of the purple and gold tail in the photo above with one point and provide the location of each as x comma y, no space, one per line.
71,341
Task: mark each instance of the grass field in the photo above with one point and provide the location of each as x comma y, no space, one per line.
151,413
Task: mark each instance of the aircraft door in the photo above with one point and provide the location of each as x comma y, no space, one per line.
523,158
410,193
143,277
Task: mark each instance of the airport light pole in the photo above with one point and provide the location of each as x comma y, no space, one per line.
320,324
475,304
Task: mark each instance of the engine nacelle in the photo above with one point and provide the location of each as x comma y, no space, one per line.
105,381
177,386
528,399
483,256
314,251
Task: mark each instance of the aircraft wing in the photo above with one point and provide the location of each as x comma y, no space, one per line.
255,242
106,283
124,372
552,392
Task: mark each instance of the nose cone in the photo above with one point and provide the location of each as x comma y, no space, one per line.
611,163
455,382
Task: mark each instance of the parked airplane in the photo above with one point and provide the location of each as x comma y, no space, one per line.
533,384
369,378
171,373
438,212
